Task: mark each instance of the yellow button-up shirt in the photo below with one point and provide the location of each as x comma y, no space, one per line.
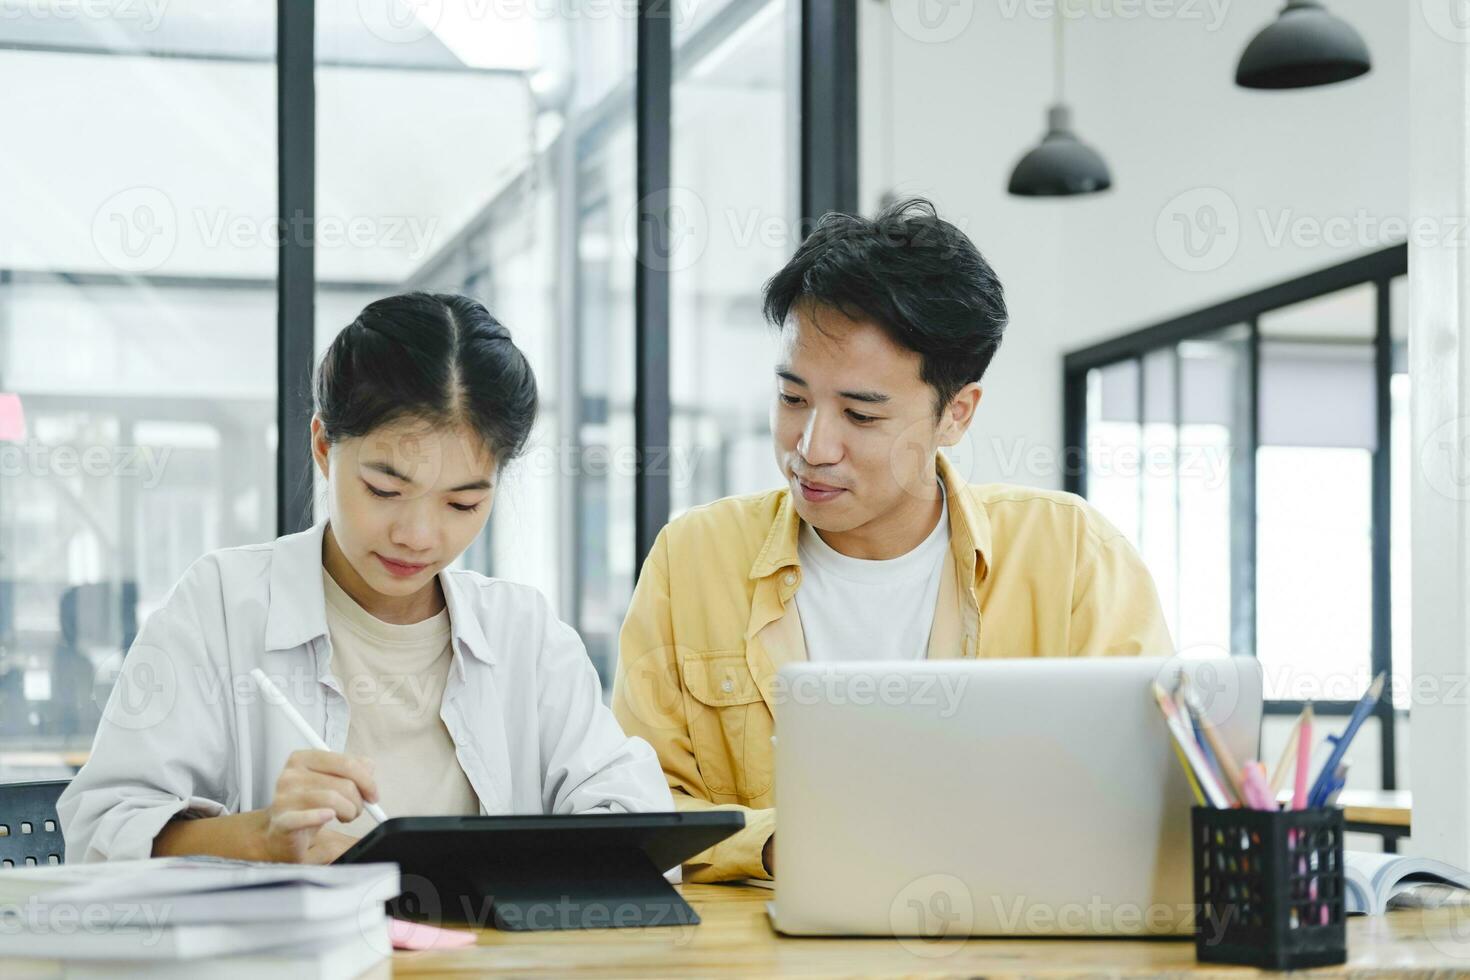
1033,573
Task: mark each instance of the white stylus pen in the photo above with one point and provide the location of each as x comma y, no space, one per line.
274,696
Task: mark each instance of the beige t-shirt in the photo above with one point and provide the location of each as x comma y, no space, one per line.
393,677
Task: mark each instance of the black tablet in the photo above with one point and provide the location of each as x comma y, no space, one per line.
576,871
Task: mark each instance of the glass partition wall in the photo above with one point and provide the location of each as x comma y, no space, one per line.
1256,453
272,167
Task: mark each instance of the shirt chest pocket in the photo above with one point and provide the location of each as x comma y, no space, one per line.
729,725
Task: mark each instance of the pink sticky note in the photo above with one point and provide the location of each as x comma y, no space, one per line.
420,935
12,418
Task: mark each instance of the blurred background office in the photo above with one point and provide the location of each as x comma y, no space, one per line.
1209,311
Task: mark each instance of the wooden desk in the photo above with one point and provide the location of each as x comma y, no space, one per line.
1381,808
73,759
736,940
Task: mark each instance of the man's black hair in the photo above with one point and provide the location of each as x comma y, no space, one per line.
910,272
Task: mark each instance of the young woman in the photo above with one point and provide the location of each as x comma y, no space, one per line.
440,691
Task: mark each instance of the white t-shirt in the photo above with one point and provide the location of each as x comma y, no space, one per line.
394,677
856,609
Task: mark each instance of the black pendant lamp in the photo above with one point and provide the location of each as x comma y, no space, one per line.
1305,46
1061,165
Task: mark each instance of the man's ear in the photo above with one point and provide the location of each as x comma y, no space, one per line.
319,445
959,413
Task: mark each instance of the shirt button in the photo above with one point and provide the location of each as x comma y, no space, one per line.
728,686
790,578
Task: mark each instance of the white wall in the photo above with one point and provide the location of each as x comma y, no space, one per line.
949,104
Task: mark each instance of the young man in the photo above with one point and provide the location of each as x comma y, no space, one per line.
876,548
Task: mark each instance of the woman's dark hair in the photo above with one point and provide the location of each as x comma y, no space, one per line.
915,275
435,357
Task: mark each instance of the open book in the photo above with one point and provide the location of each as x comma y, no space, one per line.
1375,880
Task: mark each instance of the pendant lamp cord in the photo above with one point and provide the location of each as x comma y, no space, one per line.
1059,82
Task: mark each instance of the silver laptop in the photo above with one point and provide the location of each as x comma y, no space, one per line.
996,797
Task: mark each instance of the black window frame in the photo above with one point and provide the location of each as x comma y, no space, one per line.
1379,269
829,180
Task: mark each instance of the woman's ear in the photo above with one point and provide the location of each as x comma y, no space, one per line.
319,445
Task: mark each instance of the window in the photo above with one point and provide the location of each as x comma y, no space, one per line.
739,201
485,149
1314,497
137,339
531,210
1256,453
509,178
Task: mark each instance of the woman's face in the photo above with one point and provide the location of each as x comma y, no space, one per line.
405,500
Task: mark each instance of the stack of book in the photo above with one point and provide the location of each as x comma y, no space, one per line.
161,918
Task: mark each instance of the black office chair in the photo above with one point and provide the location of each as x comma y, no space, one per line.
30,833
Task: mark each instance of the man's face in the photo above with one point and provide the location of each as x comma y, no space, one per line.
854,423
405,500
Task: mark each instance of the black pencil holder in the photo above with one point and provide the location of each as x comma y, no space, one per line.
1268,887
